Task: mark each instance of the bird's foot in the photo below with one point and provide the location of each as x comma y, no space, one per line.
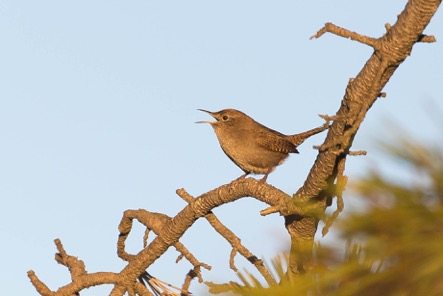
263,180
242,176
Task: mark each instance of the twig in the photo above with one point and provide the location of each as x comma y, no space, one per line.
231,260
269,210
76,267
357,153
41,288
342,32
426,38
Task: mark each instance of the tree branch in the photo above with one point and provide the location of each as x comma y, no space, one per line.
339,31
233,240
171,231
391,50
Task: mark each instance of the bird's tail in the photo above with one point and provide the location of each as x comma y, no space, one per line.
298,139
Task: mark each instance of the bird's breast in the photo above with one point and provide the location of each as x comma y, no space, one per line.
247,153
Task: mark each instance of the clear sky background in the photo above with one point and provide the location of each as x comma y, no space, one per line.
98,102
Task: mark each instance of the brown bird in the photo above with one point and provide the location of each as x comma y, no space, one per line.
252,146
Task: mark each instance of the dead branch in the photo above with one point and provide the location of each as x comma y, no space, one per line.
339,31
170,233
154,222
200,207
390,51
80,278
233,240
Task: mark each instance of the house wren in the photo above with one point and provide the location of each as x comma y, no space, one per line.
252,146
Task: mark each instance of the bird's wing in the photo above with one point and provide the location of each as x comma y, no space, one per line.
275,141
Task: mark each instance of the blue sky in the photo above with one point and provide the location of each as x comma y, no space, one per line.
98,102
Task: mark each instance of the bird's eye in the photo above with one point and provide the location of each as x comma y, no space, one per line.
225,117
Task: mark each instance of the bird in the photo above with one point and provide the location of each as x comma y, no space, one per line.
253,147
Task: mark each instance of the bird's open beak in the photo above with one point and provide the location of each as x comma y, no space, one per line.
207,121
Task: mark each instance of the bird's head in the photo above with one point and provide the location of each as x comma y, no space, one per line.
226,117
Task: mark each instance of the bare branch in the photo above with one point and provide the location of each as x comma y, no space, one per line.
339,31
357,153
232,258
76,267
80,279
390,51
193,273
329,118
426,38
233,240
41,288
154,222
269,210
